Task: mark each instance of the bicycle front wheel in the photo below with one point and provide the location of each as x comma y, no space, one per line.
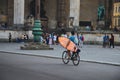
76,59
65,57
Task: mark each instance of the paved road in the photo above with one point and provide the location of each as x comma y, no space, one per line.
25,67
92,53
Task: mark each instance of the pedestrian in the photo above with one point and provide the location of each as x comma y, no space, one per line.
50,39
105,40
64,35
111,40
57,42
76,39
41,39
22,38
107,44
54,39
10,37
81,39
47,38
25,38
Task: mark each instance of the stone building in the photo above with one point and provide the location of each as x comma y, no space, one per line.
58,13
116,14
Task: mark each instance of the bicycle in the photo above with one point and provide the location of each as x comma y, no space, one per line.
75,57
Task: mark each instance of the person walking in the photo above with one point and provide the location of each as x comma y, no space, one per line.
81,39
107,43
105,40
10,37
54,39
112,40
50,40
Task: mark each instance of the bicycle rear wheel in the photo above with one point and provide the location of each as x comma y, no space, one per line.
76,59
65,57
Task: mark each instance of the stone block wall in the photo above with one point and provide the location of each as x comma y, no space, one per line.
51,11
10,12
88,11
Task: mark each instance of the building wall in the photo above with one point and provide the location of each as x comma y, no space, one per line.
50,6
3,11
88,11
116,15
51,12
63,12
27,7
3,8
10,13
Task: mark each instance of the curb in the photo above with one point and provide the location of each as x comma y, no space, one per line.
60,58
30,54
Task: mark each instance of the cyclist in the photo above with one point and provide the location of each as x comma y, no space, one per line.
73,39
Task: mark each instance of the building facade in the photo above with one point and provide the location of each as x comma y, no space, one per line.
59,13
116,14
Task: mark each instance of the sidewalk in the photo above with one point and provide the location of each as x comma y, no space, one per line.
90,53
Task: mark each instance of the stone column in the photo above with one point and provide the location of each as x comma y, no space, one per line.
75,11
19,13
10,12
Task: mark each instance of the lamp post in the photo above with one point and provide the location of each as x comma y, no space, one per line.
37,31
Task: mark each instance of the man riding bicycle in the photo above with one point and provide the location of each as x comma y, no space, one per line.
74,40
